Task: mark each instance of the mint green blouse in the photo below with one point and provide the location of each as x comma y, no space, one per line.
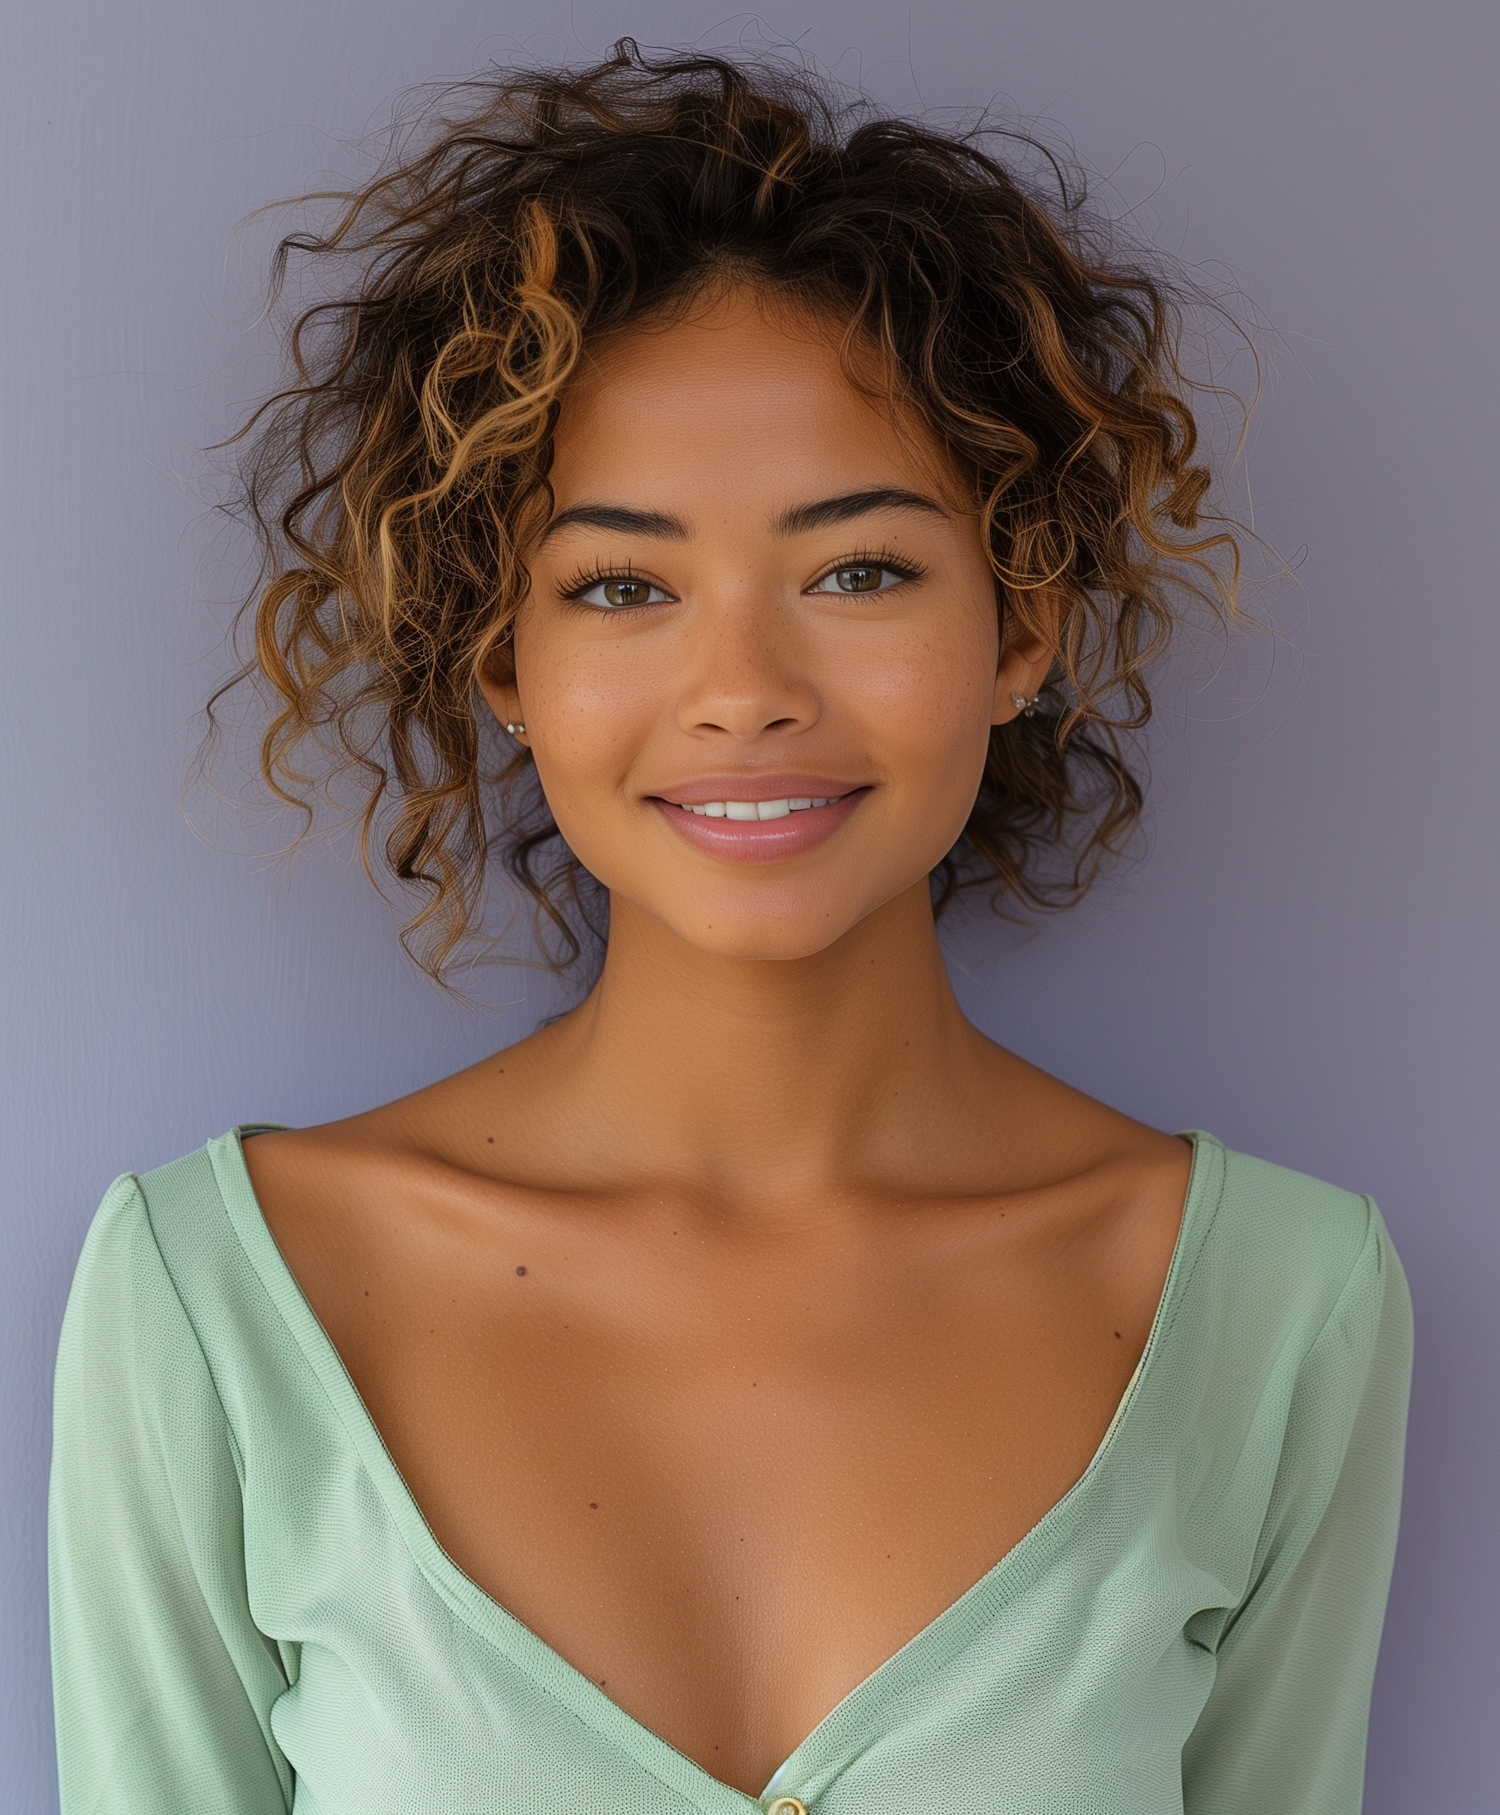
250,1615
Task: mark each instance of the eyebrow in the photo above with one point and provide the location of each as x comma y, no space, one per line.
827,511
620,517
797,520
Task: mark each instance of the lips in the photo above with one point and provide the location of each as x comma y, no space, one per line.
759,818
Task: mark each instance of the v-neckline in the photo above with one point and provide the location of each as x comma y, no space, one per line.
821,1755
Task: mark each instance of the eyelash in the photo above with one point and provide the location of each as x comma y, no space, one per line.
904,570
586,579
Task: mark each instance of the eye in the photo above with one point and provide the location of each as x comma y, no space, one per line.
863,576
619,592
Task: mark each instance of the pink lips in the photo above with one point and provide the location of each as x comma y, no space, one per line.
758,840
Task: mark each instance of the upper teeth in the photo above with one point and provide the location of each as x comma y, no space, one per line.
752,809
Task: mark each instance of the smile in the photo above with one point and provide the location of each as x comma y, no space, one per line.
804,811
751,809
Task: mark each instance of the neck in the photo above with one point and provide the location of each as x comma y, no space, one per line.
768,1078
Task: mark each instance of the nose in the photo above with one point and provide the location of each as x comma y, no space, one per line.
745,671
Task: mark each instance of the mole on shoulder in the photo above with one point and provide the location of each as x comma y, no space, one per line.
521,1271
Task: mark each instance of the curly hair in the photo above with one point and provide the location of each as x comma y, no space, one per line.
399,478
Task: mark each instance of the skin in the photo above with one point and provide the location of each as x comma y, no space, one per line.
732,1326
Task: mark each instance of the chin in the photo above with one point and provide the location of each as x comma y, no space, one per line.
758,919
755,942
770,929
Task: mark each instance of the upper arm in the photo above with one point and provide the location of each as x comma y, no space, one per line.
1285,1725
163,1683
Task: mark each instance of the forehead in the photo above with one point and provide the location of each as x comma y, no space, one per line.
739,400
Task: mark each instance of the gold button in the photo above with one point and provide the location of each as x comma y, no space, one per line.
787,1805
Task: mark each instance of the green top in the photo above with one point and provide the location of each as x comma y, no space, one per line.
250,1615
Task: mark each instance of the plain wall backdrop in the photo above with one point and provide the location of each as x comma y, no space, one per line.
1303,963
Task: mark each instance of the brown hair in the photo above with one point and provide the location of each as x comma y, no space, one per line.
398,478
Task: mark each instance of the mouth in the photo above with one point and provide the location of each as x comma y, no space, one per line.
741,819
744,811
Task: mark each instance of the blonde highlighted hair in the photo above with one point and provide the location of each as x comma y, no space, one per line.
398,479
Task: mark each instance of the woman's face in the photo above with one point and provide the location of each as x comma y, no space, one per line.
755,594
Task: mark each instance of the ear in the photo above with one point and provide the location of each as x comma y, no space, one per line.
1030,649
497,682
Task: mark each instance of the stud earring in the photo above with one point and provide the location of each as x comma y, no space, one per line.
515,730
1022,704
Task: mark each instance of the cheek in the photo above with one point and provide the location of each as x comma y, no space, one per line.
927,699
593,706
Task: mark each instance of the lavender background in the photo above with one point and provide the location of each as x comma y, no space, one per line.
1305,961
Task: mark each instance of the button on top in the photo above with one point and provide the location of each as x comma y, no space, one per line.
787,1805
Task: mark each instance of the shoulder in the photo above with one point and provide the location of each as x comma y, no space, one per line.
143,1219
1279,1260
1285,1332
177,1257
201,1210
1295,1228
131,1365
120,1282
340,1191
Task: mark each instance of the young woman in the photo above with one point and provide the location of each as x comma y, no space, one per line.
757,1387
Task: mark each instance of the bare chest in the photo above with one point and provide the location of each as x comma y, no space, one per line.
728,1484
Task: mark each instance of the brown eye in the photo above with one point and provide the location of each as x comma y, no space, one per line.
862,576
626,592
622,592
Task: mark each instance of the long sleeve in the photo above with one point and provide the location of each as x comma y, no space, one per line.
1285,1725
164,1685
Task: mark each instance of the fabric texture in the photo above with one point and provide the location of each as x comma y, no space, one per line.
250,1615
